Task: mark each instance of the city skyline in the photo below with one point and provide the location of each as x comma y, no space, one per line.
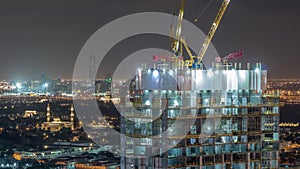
42,37
33,112
129,84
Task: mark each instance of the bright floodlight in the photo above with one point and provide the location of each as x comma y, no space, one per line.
18,85
210,73
46,84
139,70
155,73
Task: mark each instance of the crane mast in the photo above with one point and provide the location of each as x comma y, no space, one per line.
178,29
212,31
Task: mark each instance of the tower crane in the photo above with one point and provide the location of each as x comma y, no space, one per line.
195,61
212,31
176,42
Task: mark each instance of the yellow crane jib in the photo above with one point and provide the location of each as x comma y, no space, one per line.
178,29
189,62
212,31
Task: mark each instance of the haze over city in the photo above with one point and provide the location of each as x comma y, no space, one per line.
45,37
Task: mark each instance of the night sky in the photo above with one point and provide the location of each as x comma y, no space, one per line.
45,36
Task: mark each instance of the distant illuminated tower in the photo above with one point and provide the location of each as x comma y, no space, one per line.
92,68
107,83
43,79
48,113
72,117
92,73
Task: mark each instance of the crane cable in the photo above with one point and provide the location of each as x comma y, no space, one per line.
204,9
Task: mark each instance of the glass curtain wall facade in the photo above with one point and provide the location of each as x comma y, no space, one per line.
200,119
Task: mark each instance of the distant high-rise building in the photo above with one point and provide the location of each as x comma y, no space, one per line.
58,80
92,67
107,83
92,74
200,119
43,79
99,84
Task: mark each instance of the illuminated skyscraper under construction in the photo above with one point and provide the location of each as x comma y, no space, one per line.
200,119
